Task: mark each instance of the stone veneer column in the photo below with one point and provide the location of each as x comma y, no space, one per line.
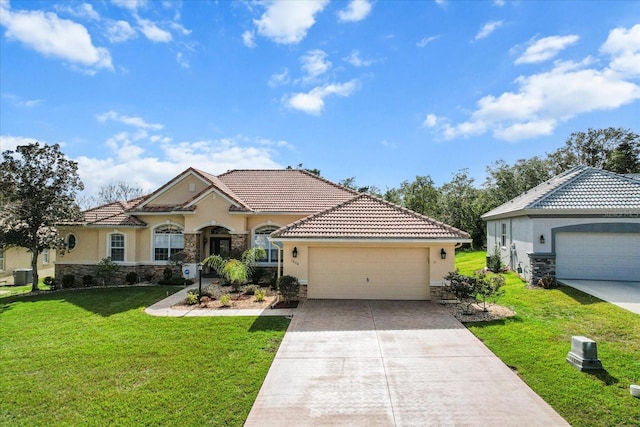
192,247
239,244
542,265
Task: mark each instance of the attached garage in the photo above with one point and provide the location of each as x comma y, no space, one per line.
368,248
368,273
598,256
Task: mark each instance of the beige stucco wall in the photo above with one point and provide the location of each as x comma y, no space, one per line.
179,192
15,258
299,266
213,210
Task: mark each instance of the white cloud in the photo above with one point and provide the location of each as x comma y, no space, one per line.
526,130
441,3
314,64
8,142
355,11
182,61
288,22
430,121
134,121
85,10
132,5
624,47
355,59
546,48
389,144
248,39
154,33
426,40
313,101
279,79
20,102
487,29
119,31
52,36
499,3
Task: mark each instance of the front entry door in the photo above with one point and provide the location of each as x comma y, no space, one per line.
220,246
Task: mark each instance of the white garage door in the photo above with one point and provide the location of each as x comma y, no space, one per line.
598,256
368,273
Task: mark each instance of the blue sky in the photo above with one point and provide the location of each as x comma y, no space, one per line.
380,90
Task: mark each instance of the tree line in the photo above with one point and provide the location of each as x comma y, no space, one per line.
460,202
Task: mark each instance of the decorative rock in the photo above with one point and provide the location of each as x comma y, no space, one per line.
584,354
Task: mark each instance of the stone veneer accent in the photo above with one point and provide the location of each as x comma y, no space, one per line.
80,270
239,244
542,265
192,247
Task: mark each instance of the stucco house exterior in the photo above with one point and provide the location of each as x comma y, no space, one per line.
14,258
581,224
337,242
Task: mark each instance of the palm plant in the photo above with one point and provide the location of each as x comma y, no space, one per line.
236,271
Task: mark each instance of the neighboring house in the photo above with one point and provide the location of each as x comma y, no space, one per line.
14,258
582,224
340,243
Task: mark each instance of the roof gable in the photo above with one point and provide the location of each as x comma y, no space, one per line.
580,188
368,217
285,190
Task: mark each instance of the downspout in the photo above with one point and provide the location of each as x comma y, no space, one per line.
280,246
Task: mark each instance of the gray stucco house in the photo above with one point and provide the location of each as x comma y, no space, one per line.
581,224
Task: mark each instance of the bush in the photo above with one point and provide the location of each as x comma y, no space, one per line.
494,261
68,281
465,288
251,289
257,274
149,275
489,288
192,297
167,273
547,282
273,282
225,300
131,278
87,280
260,295
288,287
188,282
107,270
174,281
51,283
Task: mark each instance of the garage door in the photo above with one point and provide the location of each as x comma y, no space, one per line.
368,273
598,256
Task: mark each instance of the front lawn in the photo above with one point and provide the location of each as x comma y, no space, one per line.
93,357
536,341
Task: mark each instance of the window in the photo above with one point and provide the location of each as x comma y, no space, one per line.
262,241
71,242
45,256
116,247
503,236
167,240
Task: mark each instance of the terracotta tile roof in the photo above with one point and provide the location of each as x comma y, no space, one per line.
285,190
113,214
580,188
368,217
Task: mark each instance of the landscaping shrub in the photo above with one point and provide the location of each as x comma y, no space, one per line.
51,283
174,281
489,288
167,273
465,288
149,275
192,297
273,282
106,269
131,278
251,289
87,280
257,274
68,281
225,300
494,261
547,282
288,287
188,282
260,295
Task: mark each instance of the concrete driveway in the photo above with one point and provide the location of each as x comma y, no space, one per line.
390,363
622,294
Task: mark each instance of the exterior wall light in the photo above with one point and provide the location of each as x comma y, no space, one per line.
542,239
443,254
294,253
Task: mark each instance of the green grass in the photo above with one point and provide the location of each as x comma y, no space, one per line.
536,341
93,357
17,290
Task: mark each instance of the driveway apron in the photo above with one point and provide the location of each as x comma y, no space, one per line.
390,363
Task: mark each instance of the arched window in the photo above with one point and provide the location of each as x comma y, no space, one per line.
71,241
261,240
167,240
116,247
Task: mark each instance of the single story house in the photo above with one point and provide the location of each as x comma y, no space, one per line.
337,242
16,258
581,224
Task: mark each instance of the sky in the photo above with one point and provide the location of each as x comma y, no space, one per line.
383,91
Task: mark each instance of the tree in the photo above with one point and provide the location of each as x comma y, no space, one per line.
38,186
350,183
236,271
459,208
625,158
118,192
420,196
